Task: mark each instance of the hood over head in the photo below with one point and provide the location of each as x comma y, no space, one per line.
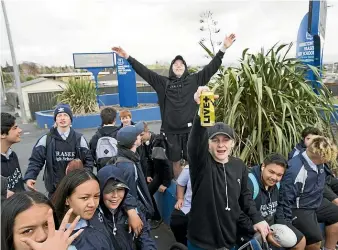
171,72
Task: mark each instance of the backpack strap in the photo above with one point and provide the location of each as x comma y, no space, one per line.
255,185
120,159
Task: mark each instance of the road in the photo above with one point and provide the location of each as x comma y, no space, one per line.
31,133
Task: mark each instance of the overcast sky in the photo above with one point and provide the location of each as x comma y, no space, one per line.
49,31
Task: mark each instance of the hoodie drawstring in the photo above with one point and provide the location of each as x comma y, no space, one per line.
226,189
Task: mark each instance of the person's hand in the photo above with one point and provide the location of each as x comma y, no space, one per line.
120,52
229,40
263,228
149,179
9,193
135,222
271,240
57,239
197,95
335,201
162,188
31,184
179,204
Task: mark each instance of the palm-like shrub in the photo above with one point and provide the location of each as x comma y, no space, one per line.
80,95
268,102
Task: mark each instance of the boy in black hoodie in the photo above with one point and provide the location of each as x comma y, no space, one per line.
175,95
263,183
155,168
10,167
56,149
219,187
107,130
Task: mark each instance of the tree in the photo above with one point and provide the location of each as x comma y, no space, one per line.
209,25
268,101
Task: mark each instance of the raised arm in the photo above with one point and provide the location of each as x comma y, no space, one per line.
155,80
204,76
198,141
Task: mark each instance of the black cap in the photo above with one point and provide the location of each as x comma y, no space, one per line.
112,185
221,128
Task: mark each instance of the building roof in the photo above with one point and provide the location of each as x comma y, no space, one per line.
113,77
71,74
32,82
38,80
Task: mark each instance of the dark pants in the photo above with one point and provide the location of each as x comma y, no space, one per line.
153,187
179,226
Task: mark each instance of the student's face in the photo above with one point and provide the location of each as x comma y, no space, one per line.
145,136
14,134
33,224
220,147
271,174
113,199
308,139
178,68
63,120
85,199
126,121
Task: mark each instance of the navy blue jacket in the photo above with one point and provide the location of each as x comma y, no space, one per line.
300,147
138,188
117,222
46,155
331,187
95,235
301,186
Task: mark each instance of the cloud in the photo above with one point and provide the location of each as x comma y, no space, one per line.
48,32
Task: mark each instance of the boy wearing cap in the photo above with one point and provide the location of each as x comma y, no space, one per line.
175,96
114,192
128,140
219,187
56,149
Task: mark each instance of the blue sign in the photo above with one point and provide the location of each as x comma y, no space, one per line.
127,83
94,63
310,39
305,50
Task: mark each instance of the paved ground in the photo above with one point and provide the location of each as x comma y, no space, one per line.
31,133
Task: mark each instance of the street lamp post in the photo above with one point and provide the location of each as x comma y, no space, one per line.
15,66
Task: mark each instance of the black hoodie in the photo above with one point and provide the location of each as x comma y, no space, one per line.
266,202
219,194
117,221
10,168
176,95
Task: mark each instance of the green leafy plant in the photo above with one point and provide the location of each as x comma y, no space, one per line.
80,95
268,102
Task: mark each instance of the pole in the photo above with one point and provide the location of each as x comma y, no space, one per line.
3,89
15,66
